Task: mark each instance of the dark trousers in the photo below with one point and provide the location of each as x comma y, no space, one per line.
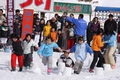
97,54
27,59
89,37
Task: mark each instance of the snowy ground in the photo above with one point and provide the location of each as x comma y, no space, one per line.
6,74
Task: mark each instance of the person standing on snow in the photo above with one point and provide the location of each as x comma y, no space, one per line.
80,26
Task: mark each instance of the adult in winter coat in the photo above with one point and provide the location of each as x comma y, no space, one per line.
80,26
93,26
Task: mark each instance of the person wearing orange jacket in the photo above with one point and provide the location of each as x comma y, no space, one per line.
53,34
97,44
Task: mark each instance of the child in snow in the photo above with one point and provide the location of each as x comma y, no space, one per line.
81,48
110,39
97,44
28,44
46,51
66,59
17,53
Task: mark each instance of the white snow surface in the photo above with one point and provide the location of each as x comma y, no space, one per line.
38,71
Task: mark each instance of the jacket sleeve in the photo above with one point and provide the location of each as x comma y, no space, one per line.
35,44
41,49
73,20
112,38
88,48
55,45
73,48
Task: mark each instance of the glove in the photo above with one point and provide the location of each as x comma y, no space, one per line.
40,56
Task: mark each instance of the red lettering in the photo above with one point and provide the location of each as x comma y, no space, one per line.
48,2
25,4
38,2
57,8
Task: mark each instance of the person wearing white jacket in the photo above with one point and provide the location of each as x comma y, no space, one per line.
28,44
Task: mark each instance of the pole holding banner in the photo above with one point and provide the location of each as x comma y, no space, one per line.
10,12
27,23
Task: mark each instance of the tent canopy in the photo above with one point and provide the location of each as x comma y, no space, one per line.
109,9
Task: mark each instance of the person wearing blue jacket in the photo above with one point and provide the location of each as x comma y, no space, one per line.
80,26
110,39
80,49
46,52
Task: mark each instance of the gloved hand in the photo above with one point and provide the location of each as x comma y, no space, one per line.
40,56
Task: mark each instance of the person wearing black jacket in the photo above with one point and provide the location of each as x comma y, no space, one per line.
4,33
110,23
17,53
66,59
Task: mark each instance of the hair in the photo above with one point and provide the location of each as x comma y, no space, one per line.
59,29
27,36
110,15
71,14
14,36
81,16
52,28
65,13
47,22
1,10
65,52
100,30
49,37
81,38
94,19
17,10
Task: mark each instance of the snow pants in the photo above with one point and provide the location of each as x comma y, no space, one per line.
13,60
78,66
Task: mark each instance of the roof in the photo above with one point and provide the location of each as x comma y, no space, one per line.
113,9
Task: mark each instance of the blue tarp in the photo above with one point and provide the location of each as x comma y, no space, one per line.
113,9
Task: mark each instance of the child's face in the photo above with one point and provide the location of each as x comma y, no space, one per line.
28,38
48,23
80,42
49,41
14,39
66,54
5,24
59,32
53,29
37,23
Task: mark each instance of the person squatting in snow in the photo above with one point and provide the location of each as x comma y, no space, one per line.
80,49
17,52
28,44
46,52
66,59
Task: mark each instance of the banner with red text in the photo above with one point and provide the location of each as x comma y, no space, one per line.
10,12
36,5
27,22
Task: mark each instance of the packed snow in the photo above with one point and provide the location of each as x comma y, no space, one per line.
38,71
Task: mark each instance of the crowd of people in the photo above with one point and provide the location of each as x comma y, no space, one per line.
62,33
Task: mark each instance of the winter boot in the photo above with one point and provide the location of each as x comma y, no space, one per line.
49,71
91,71
75,72
13,69
20,69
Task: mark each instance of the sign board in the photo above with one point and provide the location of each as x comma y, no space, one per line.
10,12
27,22
72,8
36,5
